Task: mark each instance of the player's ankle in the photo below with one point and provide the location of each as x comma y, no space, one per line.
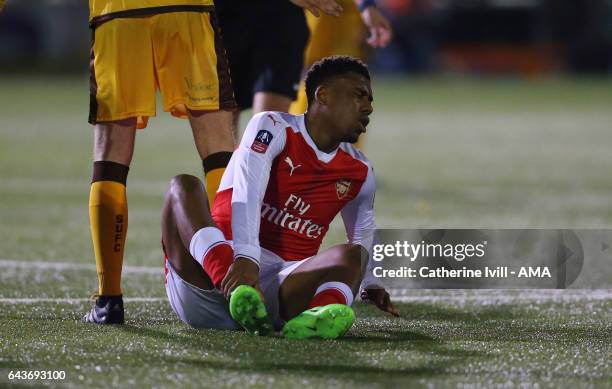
332,292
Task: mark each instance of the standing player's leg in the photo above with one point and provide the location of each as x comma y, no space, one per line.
269,101
214,140
240,25
316,297
108,214
194,80
279,59
212,131
122,97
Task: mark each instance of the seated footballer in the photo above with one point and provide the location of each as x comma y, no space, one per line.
259,247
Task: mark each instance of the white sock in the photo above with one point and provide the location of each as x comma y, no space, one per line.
203,240
341,287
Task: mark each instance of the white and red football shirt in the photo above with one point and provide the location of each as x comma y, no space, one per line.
281,193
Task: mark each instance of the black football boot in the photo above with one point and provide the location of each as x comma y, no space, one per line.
106,310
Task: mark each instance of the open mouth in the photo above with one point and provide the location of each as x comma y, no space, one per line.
364,123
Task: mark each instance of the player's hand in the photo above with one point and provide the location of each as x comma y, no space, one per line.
329,7
381,299
242,272
380,28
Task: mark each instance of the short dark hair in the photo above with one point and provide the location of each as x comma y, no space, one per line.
330,67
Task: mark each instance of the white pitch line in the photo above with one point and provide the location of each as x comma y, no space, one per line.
33,300
500,295
52,265
499,299
398,294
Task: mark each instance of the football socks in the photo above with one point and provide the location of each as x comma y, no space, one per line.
209,247
108,219
332,293
214,166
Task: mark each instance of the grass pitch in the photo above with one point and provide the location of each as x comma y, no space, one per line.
447,152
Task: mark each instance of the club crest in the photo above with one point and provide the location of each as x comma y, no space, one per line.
342,188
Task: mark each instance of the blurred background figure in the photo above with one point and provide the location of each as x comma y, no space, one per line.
265,42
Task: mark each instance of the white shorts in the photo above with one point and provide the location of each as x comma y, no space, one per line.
209,309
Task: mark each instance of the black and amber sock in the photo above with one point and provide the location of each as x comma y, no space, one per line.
214,167
108,219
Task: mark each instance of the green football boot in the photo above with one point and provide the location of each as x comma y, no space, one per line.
327,322
248,309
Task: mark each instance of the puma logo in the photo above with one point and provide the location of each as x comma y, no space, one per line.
290,163
274,121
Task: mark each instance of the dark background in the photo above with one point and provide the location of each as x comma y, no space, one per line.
525,37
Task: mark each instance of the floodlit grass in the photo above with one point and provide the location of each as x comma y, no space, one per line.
435,343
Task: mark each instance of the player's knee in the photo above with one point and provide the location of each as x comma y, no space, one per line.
183,184
352,259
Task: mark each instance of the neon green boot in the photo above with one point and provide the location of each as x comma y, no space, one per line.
327,322
247,308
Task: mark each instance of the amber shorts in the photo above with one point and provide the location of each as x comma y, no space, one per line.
178,53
